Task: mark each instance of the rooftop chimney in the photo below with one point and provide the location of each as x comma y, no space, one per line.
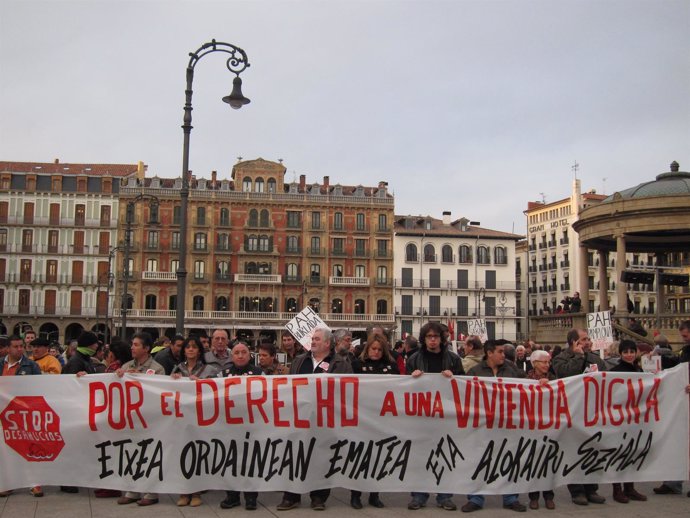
446,217
326,183
57,160
302,182
383,185
214,174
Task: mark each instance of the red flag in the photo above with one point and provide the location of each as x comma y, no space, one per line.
451,329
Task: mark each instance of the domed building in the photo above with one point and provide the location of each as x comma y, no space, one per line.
651,219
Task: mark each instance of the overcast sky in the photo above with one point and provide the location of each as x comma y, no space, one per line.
470,106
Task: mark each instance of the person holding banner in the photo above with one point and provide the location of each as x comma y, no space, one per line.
321,359
219,354
627,350
494,365
267,360
376,358
577,359
290,347
433,356
240,367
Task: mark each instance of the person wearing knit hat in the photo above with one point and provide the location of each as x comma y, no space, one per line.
46,361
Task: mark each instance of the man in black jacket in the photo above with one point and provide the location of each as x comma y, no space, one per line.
433,356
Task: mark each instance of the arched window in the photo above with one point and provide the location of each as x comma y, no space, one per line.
252,243
291,305
221,304
152,265
200,241
222,270
381,307
429,253
501,256
360,271
447,254
264,245
293,244
264,219
292,272
224,217
223,242
198,303
337,306
337,270
465,254
266,305
251,268
411,253
253,218
382,275
246,184
271,183
259,185
199,269
264,268
172,302
338,221
150,302
483,256
360,308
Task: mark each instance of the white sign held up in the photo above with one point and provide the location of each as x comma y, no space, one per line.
302,327
477,326
600,330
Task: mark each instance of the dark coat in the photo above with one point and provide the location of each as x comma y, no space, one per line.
507,370
382,366
77,363
569,363
26,367
449,362
167,360
336,364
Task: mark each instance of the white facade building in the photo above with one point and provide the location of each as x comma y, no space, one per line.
452,271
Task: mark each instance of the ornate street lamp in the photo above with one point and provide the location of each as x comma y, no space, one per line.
236,63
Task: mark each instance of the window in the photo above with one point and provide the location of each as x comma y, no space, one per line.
463,279
247,184
3,239
382,248
259,185
152,265
264,219
429,253
360,247
199,269
501,256
79,215
382,275
221,303
465,254
105,215
411,253
198,303
175,240
172,302
293,244
337,306
177,215
381,307
27,240
150,302
360,271
264,244
51,270
200,215
174,265
251,268
294,219
315,245
315,272
222,270
434,278
25,271
483,255
490,279
316,220
360,222
153,214
252,243
434,306
338,221
463,306
152,239
271,183
338,245
53,239
224,217
406,308
447,254
223,242
360,307
383,222
253,218
337,270
291,305
200,241
292,272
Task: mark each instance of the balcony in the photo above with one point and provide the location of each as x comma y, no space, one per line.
295,250
361,253
158,276
223,277
292,279
257,278
382,229
565,264
338,252
317,252
348,281
564,241
382,254
430,258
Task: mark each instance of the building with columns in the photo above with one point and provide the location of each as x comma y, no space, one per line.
58,225
260,249
451,271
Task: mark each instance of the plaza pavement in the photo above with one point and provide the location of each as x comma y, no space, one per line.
83,505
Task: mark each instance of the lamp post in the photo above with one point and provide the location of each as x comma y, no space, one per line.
129,219
481,295
108,286
236,63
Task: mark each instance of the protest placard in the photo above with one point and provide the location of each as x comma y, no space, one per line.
477,326
302,327
600,330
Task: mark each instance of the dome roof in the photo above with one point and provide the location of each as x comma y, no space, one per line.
674,183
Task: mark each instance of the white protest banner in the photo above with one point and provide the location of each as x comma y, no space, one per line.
296,433
477,326
650,363
600,330
302,327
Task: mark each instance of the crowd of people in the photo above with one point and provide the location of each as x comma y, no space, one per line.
199,356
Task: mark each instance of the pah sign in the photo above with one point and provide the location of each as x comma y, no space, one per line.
302,327
600,330
477,326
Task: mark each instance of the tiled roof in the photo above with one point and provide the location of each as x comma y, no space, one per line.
69,169
453,230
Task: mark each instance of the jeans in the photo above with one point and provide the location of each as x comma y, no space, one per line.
479,499
423,497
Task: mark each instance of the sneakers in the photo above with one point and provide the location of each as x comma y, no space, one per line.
663,489
286,505
516,506
470,507
595,498
317,504
36,491
415,505
447,505
580,500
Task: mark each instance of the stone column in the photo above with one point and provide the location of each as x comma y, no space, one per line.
603,284
583,280
621,287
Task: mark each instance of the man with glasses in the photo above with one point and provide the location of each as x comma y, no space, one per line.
433,356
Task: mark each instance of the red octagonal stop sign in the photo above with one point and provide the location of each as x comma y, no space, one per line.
32,429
